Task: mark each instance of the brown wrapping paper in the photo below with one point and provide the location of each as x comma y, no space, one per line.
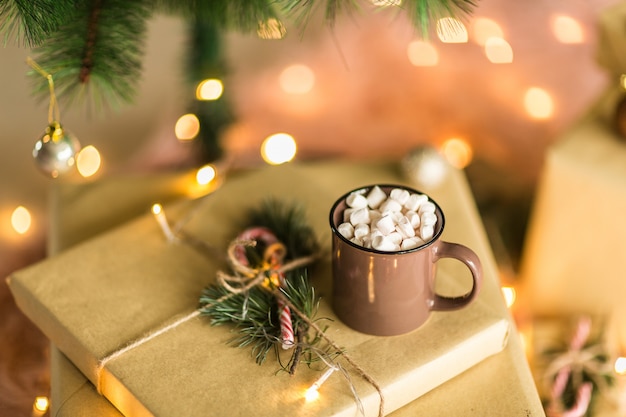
612,39
151,374
574,259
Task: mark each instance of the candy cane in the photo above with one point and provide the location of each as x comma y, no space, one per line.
286,327
266,236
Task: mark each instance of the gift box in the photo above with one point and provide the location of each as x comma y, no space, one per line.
573,259
111,290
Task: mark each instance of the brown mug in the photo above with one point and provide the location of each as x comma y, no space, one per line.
390,293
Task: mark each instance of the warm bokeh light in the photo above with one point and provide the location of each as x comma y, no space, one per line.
209,89
484,28
498,51
206,174
311,394
157,208
41,404
271,29
457,152
567,29
384,3
422,54
21,220
187,127
620,366
278,148
510,295
451,30
538,103
297,79
88,161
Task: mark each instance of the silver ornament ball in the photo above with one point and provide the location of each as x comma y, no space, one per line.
55,152
425,166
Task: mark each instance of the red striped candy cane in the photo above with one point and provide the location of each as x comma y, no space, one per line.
286,327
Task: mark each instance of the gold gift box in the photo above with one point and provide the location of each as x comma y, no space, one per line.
93,299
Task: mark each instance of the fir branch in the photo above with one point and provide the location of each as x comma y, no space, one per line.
30,22
99,52
423,12
240,15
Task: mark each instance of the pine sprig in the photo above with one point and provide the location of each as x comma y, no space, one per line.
30,22
423,12
255,313
98,52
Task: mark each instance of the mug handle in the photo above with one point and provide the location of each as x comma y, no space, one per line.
470,259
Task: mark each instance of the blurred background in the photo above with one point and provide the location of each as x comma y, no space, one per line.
369,88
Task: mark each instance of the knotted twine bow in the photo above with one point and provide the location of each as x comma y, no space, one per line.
570,366
268,277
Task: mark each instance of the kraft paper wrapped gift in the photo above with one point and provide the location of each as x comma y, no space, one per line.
574,255
96,297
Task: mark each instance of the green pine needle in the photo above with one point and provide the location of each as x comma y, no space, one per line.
99,53
30,22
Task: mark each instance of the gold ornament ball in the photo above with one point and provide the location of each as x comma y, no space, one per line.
55,152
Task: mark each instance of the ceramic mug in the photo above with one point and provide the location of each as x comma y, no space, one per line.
391,293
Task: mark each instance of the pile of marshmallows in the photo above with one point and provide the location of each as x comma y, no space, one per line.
399,221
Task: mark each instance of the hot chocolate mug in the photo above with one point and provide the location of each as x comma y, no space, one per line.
390,293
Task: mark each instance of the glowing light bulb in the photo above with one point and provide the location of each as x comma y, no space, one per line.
498,51
41,404
187,127
159,215
271,29
567,29
312,393
209,89
206,174
484,29
510,295
620,366
297,79
422,54
538,103
88,161
451,30
21,220
278,148
458,152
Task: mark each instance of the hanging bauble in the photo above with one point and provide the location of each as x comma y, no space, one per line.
425,166
55,152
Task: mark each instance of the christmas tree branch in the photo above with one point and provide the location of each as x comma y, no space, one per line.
99,51
30,22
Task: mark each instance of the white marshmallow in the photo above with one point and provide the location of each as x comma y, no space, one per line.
361,215
426,232
390,206
375,215
382,243
426,207
346,230
410,243
414,219
395,237
367,241
356,200
357,241
346,214
403,226
428,219
414,201
386,225
361,230
375,197
400,195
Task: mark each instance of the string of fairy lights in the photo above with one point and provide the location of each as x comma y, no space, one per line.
299,80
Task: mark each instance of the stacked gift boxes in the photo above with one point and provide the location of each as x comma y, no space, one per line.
98,296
